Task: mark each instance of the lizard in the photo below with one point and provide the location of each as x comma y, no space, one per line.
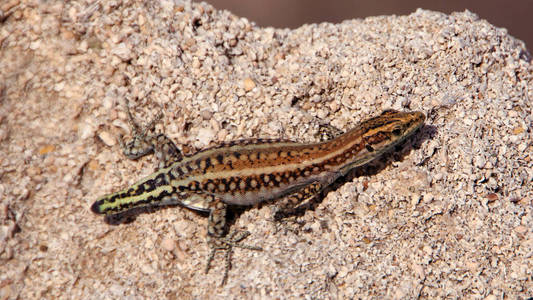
249,172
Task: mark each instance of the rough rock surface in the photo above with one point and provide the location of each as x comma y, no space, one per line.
449,217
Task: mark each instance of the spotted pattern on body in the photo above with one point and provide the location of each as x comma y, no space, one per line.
248,172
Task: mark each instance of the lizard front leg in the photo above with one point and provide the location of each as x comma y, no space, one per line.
328,132
145,142
217,238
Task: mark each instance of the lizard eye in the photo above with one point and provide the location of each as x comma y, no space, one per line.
397,131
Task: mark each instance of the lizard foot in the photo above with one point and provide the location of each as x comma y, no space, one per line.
227,243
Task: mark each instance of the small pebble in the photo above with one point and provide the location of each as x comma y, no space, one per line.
248,84
107,138
168,244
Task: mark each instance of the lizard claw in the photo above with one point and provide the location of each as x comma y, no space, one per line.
227,244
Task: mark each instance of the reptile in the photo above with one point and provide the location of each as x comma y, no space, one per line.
250,172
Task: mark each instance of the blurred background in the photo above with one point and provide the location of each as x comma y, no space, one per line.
515,15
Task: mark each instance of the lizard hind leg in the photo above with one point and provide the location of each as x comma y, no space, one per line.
295,202
217,238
